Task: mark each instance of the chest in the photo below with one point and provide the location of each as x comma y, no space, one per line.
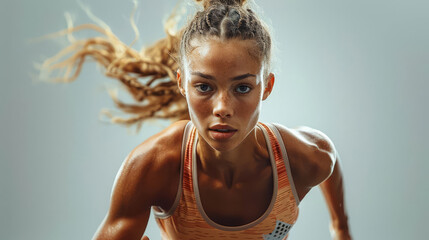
239,203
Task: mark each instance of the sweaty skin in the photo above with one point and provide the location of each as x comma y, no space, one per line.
224,86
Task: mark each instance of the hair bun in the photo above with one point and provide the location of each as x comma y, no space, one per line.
208,3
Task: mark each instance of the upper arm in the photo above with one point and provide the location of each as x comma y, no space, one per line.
320,157
312,156
141,182
131,199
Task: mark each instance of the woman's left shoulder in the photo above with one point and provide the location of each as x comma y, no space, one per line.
311,153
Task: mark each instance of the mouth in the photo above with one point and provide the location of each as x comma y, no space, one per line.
222,132
222,128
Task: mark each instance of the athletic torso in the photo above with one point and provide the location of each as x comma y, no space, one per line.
226,206
297,150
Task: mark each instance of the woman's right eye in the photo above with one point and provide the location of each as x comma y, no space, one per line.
204,88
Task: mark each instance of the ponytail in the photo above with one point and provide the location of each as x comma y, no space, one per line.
149,75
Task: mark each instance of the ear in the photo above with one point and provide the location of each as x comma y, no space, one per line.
179,83
270,83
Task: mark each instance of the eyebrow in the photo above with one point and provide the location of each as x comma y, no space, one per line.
210,77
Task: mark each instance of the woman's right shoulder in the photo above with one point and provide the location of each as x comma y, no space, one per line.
162,150
156,164
164,147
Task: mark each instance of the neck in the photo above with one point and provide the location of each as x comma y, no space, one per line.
236,165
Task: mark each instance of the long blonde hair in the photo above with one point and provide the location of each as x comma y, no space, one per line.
150,75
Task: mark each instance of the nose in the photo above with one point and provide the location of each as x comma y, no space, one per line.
222,107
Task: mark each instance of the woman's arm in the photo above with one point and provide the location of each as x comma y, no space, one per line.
149,176
333,192
315,162
129,208
330,180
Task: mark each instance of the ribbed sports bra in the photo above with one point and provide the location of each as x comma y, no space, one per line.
187,220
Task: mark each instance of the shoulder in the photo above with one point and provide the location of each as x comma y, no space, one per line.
311,153
162,147
153,167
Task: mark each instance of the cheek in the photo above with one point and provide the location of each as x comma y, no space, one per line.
197,106
251,110
251,104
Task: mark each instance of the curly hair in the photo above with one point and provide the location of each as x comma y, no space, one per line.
150,75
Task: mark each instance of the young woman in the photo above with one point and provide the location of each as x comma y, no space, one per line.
223,174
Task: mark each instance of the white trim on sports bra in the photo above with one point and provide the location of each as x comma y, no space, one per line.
274,127
158,211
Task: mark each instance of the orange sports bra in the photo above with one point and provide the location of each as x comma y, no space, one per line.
187,220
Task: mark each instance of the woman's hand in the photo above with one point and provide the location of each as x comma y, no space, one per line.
145,238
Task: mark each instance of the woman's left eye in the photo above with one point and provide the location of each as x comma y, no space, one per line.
243,89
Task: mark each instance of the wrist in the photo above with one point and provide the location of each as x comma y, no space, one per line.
336,225
339,233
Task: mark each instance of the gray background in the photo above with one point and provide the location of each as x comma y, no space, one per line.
356,70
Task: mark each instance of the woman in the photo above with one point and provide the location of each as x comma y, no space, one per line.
222,175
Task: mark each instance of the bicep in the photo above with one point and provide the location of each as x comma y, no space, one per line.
131,199
121,227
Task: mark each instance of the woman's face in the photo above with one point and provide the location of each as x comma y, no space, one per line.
224,86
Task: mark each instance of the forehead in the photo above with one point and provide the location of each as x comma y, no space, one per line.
224,55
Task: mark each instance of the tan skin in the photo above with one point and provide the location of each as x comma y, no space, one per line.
223,82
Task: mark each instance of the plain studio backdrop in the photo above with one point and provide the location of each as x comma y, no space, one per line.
356,70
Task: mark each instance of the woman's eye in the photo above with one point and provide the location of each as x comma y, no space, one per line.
203,88
243,89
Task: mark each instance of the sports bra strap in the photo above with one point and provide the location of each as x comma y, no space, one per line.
274,127
158,211
186,132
